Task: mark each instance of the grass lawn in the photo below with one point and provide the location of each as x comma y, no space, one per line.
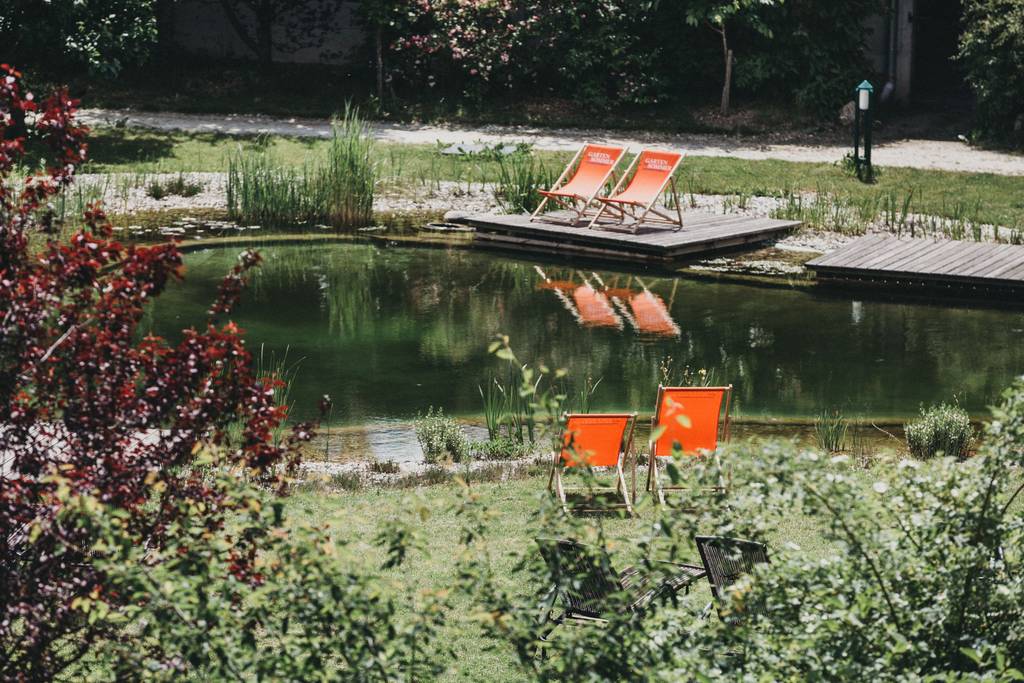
359,515
974,197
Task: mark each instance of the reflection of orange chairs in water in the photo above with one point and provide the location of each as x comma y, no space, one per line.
651,316
588,306
603,306
594,308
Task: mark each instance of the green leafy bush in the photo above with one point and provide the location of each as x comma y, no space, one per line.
940,429
500,448
183,609
440,437
992,55
590,50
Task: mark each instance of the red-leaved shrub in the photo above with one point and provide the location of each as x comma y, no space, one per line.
84,396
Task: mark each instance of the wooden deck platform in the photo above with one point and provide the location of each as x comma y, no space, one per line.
702,233
961,267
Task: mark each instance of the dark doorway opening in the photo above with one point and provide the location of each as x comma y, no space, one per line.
936,75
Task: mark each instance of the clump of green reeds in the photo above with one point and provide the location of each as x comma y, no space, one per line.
520,177
493,395
337,191
261,191
348,178
507,413
830,430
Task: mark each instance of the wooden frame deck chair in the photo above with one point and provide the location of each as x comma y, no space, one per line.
725,560
591,169
594,440
652,171
590,589
694,420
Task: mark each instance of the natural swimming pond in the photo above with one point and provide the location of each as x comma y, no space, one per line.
388,332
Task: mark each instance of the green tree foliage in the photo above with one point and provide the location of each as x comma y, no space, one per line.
312,610
815,52
103,35
992,54
722,17
603,53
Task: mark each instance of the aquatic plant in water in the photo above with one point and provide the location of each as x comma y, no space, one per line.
337,191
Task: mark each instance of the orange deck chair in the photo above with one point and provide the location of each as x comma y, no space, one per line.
652,172
705,409
594,165
595,440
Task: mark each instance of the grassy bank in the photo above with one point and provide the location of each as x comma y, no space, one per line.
357,517
972,198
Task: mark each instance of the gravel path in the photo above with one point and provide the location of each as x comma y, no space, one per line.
949,155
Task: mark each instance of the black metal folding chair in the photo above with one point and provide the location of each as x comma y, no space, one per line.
587,599
725,560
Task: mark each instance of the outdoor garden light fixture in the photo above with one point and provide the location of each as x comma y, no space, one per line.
862,120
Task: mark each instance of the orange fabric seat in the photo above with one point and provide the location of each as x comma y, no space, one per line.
692,420
594,440
594,165
652,172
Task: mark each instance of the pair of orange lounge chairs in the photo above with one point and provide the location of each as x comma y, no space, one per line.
581,183
688,419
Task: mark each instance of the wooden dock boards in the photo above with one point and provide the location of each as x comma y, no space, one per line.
702,234
881,259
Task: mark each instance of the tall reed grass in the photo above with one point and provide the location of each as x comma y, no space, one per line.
336,191
348,178
830,429
520,177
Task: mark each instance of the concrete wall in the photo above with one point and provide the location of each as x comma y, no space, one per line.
878,49
201,27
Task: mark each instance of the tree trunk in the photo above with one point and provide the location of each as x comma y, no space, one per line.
727,86
265,16
380,63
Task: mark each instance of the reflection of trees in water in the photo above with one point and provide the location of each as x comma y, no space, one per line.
391,317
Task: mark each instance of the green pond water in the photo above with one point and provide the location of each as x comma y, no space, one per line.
388,332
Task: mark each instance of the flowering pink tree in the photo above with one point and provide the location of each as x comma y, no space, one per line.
586,47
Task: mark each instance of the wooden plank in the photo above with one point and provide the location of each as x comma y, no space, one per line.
841,254
707,232
970,264
1003,269
882,252
1016,274
995,261
939,258
874,255
928,252
972,256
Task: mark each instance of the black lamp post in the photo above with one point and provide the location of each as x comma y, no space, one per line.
862,121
